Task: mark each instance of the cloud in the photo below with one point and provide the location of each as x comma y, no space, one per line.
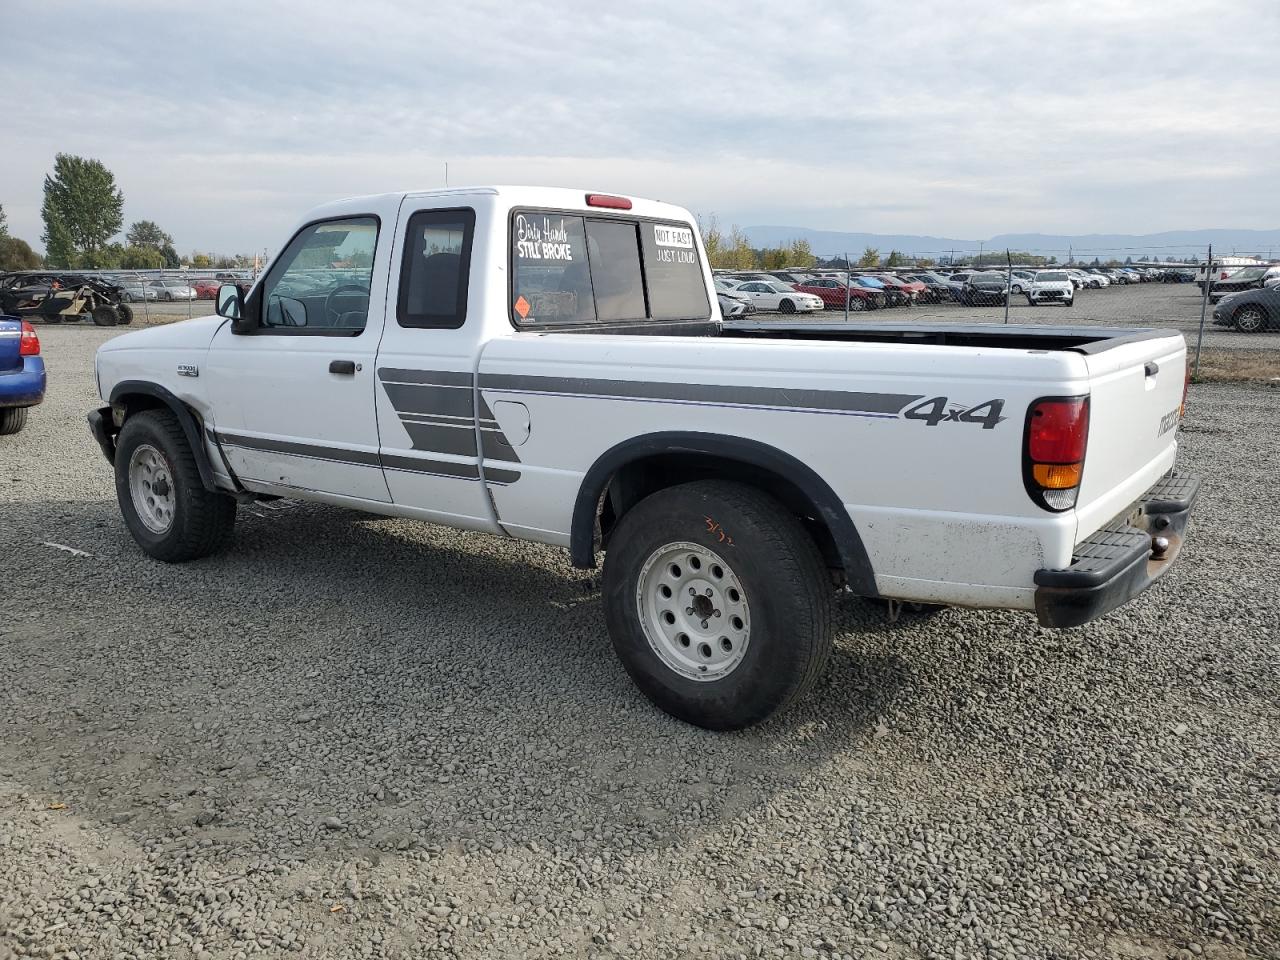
224,124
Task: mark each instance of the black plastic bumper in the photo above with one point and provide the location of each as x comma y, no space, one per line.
99,425
1118,562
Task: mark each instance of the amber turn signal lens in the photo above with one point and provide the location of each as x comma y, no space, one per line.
1057,476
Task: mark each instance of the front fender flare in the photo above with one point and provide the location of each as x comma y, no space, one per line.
826,504
128,388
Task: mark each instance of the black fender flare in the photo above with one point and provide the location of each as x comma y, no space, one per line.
827,506
190,427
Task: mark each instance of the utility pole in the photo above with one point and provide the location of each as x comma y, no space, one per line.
981,243
1204,308
446,173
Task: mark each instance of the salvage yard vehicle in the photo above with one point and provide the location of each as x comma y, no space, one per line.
1249,311
548,365
53,297
1051,286
1246,278
834,294
776,295
984,286
22,373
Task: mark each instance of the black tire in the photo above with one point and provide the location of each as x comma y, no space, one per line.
202,522
12,419
787,306
857,305
126,315
1030,302
1069,302
168,297
785,585
1250,318
105,316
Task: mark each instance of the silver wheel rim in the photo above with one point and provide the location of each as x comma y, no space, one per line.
693,610
151,486
1249,320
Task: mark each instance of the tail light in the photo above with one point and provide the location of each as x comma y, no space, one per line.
29,344
1057,433
610,202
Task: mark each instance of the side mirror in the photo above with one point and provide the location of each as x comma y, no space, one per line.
231,305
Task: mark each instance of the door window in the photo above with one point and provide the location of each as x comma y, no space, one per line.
320,284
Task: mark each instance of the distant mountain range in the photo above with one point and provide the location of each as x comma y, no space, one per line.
1105,246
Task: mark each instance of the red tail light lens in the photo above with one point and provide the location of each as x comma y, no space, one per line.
29,345
604,200
1053,458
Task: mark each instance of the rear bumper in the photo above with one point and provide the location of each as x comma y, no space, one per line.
1118,562
23,388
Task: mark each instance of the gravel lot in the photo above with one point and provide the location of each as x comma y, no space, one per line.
357,737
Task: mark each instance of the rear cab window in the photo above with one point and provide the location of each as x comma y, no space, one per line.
577,269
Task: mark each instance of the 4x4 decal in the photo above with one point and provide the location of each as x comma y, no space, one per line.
938,410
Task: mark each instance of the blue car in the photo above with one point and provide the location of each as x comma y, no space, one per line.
22,377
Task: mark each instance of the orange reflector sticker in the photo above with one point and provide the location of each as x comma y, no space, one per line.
522,307
1057,476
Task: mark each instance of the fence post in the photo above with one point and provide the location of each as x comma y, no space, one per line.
847,277
1204,307
1008,282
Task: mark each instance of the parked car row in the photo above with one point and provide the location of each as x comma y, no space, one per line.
57,296
799,291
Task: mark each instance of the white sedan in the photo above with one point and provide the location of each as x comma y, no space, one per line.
776,295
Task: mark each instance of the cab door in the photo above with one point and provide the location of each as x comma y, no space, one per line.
425,386
294,398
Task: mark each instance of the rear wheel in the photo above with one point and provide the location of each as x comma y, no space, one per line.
1250,319
126,314
787,306
12,419
105,316
718,603
165,506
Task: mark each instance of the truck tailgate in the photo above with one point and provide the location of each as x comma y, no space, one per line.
1135,404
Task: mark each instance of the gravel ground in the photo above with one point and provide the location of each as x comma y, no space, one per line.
357,737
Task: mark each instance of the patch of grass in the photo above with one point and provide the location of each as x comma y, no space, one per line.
1235,366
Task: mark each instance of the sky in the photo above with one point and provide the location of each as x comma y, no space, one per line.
225,122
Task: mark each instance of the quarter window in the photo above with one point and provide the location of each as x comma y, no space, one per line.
436,269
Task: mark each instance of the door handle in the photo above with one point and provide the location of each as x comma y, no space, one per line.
347,367
1151,368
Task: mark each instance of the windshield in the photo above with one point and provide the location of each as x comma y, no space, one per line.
1051,276
1249,273
869,282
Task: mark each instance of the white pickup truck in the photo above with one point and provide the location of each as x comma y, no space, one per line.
550,365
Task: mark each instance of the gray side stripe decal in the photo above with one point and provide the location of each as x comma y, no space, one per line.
439,378
866,404
458,439
336,454
428,398
464,471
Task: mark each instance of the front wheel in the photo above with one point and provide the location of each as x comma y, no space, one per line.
787,306
12,419
718,603
1250,319
165,506
857,304
1069,301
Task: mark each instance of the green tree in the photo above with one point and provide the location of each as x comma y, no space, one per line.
135,257
772,258
147,233
201,261
895,259
4,222
925,262
82,210
740,254
801,254
712,240
870,258
17,254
